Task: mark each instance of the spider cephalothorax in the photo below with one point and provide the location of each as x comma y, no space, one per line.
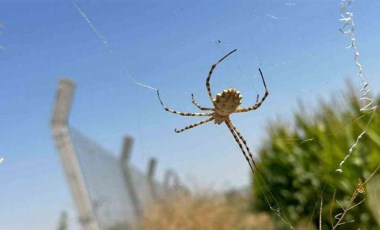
225,103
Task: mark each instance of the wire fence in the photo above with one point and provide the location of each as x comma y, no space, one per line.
108,191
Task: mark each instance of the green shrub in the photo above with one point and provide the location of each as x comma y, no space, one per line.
299,162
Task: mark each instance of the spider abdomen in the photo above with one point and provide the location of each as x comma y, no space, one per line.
227,102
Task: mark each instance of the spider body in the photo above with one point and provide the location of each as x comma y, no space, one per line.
225,104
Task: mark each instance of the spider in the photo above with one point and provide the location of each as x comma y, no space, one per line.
225,104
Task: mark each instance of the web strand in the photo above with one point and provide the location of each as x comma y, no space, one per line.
102,38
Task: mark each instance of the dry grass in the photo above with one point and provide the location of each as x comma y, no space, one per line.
202,212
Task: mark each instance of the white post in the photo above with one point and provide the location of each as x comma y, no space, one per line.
66,151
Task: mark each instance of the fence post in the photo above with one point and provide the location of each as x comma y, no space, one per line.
125,156
170,175
151,173
59,123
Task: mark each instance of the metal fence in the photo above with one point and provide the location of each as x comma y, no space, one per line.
109,192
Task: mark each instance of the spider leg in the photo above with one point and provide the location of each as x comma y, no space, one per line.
244,142
180,113
258,103
238,140
194,125
199,106
210,73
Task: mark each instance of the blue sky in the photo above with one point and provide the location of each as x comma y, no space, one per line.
169,45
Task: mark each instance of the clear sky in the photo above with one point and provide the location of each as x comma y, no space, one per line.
169,45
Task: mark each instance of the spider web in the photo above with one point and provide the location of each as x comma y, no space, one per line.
270,198
219,45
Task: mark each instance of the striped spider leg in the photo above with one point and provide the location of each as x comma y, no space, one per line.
187,114
258,103
242,144
197,105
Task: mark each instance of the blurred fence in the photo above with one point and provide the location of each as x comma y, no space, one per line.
108,191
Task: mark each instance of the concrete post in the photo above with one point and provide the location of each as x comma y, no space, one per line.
62,138
151,172
127,149
125,156
152,168
171,182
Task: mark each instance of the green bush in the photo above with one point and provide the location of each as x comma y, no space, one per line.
298,163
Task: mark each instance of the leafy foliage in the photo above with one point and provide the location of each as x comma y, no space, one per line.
299,163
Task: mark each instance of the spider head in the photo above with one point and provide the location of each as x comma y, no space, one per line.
227,102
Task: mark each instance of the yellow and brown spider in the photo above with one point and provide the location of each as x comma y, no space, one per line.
225,103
